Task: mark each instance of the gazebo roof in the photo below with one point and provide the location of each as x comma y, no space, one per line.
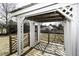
41,12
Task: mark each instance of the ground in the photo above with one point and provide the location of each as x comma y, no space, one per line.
4,44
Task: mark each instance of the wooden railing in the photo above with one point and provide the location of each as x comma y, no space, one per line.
13,42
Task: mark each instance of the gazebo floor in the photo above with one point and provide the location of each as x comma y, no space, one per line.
51,48
44,49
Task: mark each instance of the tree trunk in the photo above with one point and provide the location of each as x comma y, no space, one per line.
6,21
1,30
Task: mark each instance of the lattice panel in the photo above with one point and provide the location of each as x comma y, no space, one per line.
58,38
66,11
26,40
13,43
55,38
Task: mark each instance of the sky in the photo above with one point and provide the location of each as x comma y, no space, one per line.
21,4
48,23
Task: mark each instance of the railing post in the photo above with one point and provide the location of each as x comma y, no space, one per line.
38,26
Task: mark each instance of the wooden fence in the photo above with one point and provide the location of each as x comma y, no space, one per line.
13,42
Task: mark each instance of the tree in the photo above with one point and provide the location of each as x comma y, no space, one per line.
60,27
2,26
5,8
54,26
12,27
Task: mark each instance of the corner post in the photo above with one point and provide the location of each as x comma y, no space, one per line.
20,35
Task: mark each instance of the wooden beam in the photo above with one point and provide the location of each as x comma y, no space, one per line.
48,19
55,13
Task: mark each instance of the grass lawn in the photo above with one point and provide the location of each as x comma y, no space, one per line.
4,45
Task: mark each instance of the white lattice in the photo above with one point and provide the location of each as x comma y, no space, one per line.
66,11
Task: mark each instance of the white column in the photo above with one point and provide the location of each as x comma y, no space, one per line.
39,24
71,32
32,33
67,40
76,20
73,37
78,38
20,35
74,32
70,38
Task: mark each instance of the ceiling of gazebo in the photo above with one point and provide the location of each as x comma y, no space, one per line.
47,17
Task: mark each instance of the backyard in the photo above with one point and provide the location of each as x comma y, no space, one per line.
4,41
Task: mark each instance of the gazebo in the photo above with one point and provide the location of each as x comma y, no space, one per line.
38,13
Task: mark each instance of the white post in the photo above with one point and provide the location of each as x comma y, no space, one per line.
20,35
71,31
70,37
78,38
32,33
74,32
39,24
76,21
67,40
73,37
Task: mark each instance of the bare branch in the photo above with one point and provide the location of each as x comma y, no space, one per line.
3,5
4,12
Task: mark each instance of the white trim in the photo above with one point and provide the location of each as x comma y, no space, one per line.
38,11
